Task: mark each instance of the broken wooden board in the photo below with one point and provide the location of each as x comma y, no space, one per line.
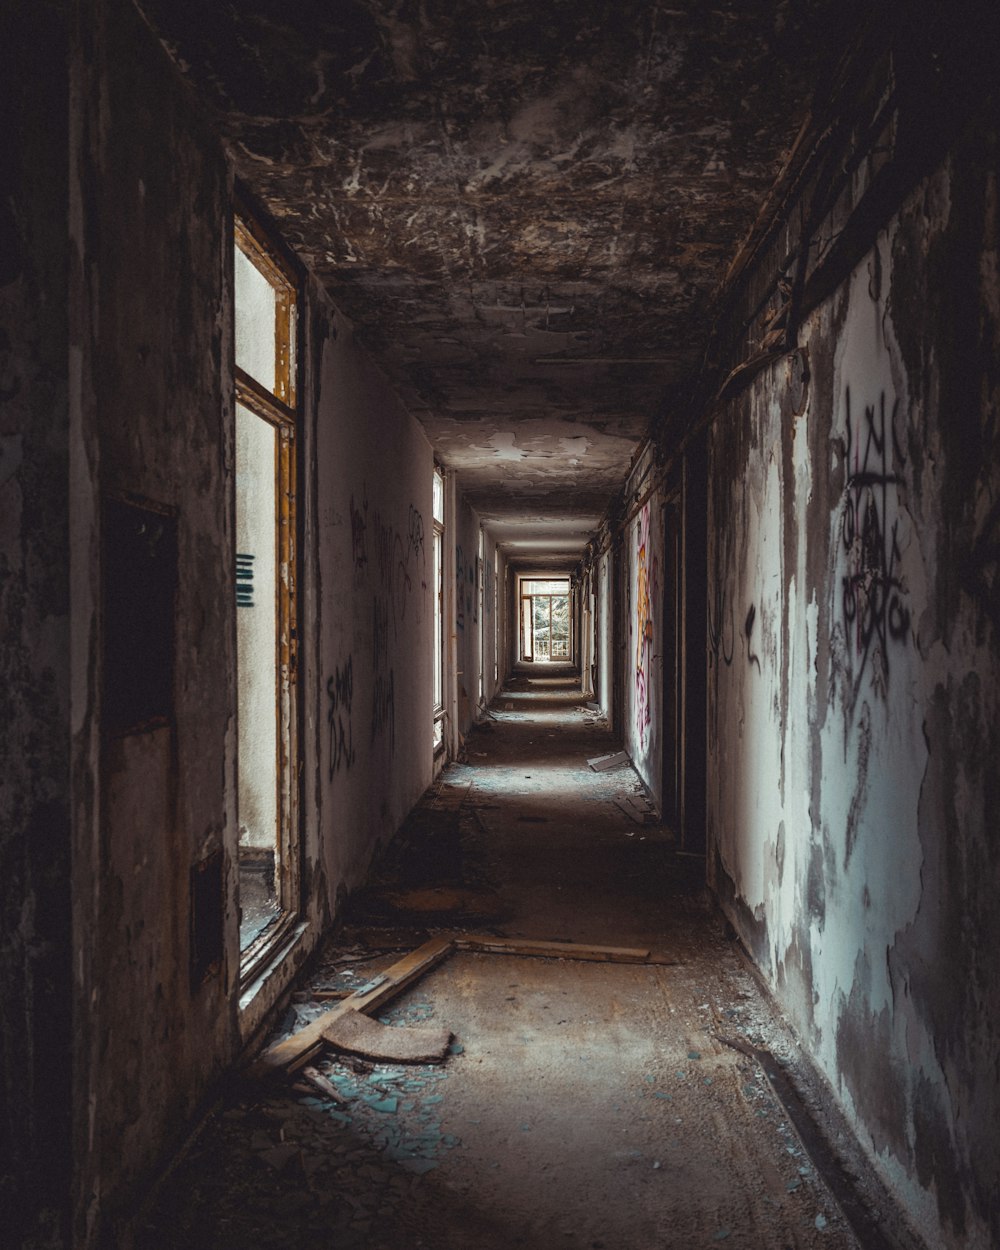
323,1083
292,1052
358,1034
601,763
552,950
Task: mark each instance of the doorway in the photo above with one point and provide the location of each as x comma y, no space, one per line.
546,620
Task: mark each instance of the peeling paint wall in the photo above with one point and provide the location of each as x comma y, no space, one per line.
643,615
374,475
468,612
603,693
854,679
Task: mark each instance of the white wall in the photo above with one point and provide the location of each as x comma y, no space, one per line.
855,697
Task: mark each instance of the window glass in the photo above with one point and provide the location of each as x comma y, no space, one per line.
545,588
256,309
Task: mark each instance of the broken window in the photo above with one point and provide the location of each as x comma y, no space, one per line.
265,590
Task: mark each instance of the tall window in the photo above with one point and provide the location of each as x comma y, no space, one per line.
545,620
481,593
266,561
437,510
496,616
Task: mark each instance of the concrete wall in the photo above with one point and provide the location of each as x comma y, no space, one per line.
605,651
853,689
35,970
642,728
467,612
372,707
152,422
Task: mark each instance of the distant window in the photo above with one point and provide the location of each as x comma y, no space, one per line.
437,509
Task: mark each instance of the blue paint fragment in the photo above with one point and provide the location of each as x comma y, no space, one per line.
721,1235
694,1054
388,1105
708,1080
456,1048
660,1094
419,1166
649,1079
820,1221
433,1098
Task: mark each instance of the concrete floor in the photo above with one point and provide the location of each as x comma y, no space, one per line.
583,1105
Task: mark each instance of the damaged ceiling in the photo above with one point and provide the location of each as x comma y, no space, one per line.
525,208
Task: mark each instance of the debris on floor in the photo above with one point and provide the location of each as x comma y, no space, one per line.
358,1034
601,763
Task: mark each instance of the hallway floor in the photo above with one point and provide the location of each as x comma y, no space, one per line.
582,1105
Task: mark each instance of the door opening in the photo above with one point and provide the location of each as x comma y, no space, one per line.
546,620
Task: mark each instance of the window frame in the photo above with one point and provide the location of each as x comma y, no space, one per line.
279,408
438,488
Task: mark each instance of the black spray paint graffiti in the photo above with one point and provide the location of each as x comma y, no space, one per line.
340,693
463,599
717,628
395,557
384,691
872,589
748,630
359,537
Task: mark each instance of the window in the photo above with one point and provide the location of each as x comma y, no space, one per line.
496,617
545,620
481,593
437,509
266,567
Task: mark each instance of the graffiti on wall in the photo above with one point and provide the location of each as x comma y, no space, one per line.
748,624
873,594
340,696
384,689
718,612
645,597
488,587
359,535
466,604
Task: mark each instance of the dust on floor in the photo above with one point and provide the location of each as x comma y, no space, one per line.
581,1105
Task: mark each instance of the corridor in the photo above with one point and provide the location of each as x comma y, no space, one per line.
580,1104
499,534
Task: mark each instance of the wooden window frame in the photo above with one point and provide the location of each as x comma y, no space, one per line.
279,410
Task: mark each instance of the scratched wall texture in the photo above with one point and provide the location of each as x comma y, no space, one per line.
374,471
35,810
854,660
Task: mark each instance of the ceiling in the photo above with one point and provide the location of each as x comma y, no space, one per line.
525,206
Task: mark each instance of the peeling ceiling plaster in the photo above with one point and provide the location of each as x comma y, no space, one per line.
524,208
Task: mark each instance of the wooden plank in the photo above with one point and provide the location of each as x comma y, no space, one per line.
295,1051
602,763
552,950
358,1034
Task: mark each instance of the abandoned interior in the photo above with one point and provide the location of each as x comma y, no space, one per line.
479,478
